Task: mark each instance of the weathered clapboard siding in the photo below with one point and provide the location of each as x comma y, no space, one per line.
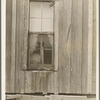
33,83
90,33
25,34
28,82
73,48
18,44
56,34
79,46
13,46
21,44
43,84
84,46
22,32
64,46
8,43
76,46
73,51
50,83
94,58
38,81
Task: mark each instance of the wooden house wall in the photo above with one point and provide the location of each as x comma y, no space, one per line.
76,50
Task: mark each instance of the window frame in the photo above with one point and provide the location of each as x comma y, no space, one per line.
25,57
41,66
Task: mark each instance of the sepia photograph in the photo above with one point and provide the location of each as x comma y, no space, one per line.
51,50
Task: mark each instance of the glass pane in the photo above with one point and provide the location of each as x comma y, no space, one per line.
47,25
48,41
47,56
35,9
34,49
35,25
48,47
47,10
40,48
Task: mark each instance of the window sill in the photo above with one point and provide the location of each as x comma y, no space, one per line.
38,70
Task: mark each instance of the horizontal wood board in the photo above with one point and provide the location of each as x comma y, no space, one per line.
51,97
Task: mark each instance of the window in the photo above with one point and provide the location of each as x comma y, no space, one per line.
41,36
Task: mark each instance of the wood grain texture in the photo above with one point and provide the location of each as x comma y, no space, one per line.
50,82
21,73
67,51
18,45
26,97
56,34
13,97
33,89
44,84
12,88
79,45
25,35
90,35
73,48
22,81
8,44
38,81
62,97
84,46
76,46
28,82
64,46
56,85
55,97
60,81
51,97
94,58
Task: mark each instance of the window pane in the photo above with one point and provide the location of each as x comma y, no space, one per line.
47,25
34,49
41,48
47,41
48,48
47,56
46,9
41,17
35,9
35,25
